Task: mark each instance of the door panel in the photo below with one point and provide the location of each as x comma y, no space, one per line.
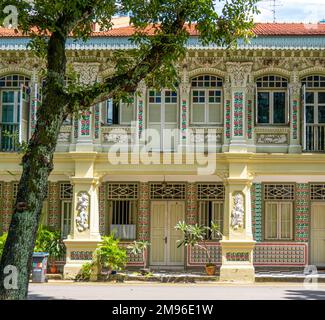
318,234
176,214
164,217
158,221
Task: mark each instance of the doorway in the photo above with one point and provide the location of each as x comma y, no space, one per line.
164,217
318,234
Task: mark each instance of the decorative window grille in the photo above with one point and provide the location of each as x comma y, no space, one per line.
167,191
317,192
210,191
272,82
211,211
119,191
279,192
205,81
66,217
66,191
314,81
123,218
14,81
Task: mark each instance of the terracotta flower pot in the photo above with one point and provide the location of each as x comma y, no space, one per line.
53,269
210,270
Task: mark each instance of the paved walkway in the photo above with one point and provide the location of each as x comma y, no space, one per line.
155,291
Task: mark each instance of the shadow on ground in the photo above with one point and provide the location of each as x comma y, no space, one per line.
305,295
34,296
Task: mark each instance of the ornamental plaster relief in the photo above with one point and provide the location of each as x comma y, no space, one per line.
239,73
88,72
272,139
83,211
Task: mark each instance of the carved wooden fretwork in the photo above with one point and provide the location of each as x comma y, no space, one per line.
210,191
167,191
317,191
118,191
66,191
279,192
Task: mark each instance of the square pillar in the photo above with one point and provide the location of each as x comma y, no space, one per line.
237,244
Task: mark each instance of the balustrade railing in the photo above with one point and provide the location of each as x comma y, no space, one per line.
315,137
9,137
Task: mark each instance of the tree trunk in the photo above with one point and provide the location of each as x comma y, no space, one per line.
37,165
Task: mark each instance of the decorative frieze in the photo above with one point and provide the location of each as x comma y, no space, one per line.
85,124
237,256
81,255
272,139
302,212
140,117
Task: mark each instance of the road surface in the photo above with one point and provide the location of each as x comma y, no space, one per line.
157,291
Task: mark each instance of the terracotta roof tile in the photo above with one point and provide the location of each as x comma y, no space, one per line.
260,29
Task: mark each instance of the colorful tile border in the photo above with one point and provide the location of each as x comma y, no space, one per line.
237,256
249,119
143,226
96,121
295,119
302,212
184,120
238,114
140,117
54,212
7,205
85,124
102,208
76,127
256,196
191,204
228,119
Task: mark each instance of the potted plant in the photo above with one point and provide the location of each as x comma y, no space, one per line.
51,242
140,247
110,255
196,235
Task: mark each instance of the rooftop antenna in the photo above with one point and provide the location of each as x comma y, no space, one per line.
273,5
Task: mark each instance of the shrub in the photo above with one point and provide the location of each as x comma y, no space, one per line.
85,272
110,255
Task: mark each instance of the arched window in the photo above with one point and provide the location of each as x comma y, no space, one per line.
14,81
272,100
206,97
314,99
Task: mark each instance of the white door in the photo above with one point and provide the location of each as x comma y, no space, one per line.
318,234
164,217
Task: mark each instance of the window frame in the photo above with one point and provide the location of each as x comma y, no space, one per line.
206,103
133,211
120,103
315,105
271,91
278,204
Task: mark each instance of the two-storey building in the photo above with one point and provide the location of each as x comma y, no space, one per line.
240,142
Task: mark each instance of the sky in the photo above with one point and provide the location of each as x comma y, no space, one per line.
292,11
